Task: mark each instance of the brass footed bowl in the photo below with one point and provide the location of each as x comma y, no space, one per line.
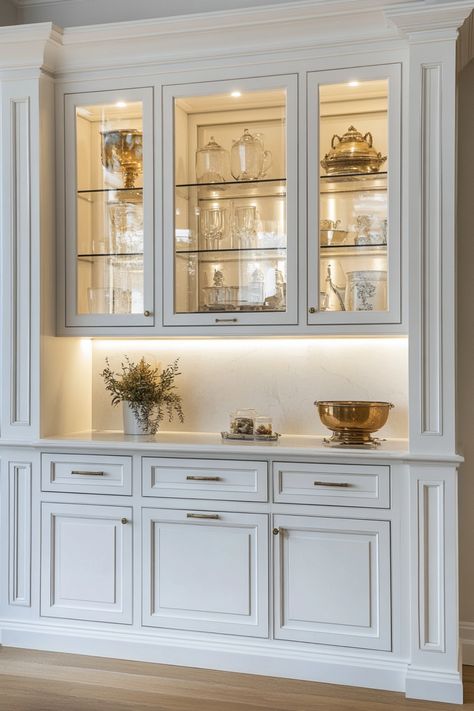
353,421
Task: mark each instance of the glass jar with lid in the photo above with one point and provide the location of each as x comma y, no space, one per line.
211,163
249,159
242,422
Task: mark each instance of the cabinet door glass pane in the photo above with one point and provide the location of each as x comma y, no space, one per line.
109,150
230,202
353,229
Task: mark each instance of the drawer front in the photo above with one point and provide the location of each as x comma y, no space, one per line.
205,479
86,474
332,484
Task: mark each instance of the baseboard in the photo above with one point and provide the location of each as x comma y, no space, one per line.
434,685
286,661
261,657
466,633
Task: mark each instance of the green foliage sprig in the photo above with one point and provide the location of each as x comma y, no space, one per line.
149,391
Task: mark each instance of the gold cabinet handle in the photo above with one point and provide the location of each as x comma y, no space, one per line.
194,477
124,520
276,531
312,310
213,517
337,484
147,313
79,473
226,320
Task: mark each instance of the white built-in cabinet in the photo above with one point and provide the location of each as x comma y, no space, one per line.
86,562
207,207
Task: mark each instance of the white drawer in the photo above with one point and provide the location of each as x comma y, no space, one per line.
86,473
205,479
332,484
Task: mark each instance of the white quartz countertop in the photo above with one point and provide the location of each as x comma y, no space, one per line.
212,444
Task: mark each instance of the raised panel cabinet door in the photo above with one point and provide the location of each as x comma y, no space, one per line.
332,581
86,562
206,571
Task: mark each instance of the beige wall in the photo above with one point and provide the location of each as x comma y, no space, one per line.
466,337
8,13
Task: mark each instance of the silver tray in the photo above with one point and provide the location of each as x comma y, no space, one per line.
251,438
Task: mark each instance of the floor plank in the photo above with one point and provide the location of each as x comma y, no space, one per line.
46,681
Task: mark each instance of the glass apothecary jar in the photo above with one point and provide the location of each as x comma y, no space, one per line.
230,215
109,208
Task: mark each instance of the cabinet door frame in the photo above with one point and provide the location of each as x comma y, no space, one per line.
377,635
69,275
208,621
391,72
205,320
121,611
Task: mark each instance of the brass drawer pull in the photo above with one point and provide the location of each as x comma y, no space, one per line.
193,477
79,473
337,484
226,320
213,517
124,520
276,531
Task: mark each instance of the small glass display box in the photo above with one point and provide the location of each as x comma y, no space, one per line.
232,225
108,209
354,264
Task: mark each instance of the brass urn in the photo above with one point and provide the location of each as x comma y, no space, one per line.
352,153
122,151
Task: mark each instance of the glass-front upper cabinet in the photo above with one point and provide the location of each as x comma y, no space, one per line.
354,196
109,208
230,227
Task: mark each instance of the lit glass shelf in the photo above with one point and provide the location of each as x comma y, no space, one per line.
234,255
110,254
232,190
352,250
233,249
110,190
353,182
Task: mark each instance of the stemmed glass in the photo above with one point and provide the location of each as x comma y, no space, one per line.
212,223
245,225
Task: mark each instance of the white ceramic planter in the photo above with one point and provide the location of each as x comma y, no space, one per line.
131,425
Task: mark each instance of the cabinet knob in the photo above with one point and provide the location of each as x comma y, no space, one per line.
147,313
312,310
124,520
276,531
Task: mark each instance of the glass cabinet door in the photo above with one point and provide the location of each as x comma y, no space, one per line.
354,196
109,217
230,205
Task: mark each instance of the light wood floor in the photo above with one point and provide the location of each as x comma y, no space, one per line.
44,681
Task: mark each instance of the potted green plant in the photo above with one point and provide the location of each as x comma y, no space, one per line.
147,394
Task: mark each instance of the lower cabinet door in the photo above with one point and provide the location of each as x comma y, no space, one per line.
332,581
206,571
86,562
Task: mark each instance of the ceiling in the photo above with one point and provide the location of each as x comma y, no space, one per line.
68,13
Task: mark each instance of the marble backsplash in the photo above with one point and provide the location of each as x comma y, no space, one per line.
278,377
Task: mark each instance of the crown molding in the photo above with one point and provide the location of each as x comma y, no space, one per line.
302,25
421,20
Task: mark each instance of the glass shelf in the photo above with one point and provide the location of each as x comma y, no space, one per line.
353,250
353,182
233,190
111,190
233,249
124,255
